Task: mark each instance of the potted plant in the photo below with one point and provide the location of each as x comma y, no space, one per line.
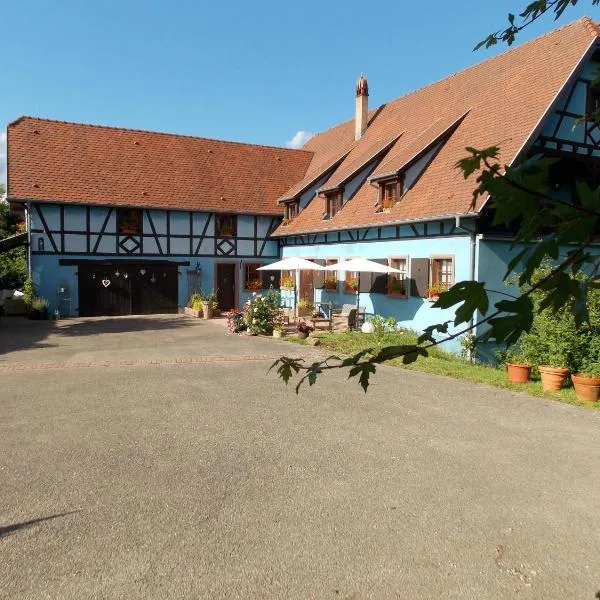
194,305
396,287
39,309
352,284
434,291
587,380
518,370
305,308
303,329
330,283
278,331
235,321
208,302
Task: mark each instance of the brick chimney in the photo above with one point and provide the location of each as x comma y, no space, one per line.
362,107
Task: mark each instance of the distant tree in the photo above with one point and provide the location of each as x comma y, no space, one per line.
13,264
520,195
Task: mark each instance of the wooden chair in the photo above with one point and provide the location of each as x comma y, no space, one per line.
326,310
347,317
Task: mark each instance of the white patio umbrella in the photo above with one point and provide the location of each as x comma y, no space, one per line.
292,263
361,265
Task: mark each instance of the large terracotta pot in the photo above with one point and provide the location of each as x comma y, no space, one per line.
587,387
518,373
553,378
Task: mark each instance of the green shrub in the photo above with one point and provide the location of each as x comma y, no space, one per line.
39,308
28,293
383,325
555,338
261,312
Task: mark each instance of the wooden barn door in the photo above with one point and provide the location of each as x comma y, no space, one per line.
101,293
127,289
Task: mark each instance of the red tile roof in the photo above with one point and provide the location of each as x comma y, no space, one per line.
68,162
504,98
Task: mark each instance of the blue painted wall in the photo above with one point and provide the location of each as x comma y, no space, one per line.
413,312
62,233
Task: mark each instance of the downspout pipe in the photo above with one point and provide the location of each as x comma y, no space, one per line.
472,239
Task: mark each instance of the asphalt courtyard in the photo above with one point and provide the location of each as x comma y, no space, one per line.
146,458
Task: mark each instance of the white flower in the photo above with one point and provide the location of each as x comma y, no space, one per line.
254,293
254,321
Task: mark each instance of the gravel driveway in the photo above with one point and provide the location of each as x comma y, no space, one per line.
148,458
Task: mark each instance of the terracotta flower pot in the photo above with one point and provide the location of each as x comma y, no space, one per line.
518,373
587,387
553,378
302,336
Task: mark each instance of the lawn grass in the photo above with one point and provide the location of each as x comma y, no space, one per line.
439,362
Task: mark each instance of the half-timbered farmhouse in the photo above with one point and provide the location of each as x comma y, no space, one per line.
125,221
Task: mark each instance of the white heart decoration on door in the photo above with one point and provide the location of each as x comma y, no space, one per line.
106,282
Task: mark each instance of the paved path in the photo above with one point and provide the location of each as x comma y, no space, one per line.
213,480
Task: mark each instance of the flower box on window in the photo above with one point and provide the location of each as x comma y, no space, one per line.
352,284
253,285
330,284
434,291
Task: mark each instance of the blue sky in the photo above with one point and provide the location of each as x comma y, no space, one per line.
250,71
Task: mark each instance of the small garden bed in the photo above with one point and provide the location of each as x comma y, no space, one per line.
438,363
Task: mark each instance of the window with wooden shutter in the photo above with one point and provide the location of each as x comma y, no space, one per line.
593,100
333,204
319,276
252,277
378,280
389,194
442,272
290,212
331,277
129,220
397,282
226,225
351,281
419,277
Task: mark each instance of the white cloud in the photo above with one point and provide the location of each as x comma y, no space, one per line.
300,138
3,157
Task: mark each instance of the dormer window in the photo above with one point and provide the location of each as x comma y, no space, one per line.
389,193
290,212
593,100
333,204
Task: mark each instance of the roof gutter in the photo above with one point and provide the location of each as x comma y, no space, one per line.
457,218
538,126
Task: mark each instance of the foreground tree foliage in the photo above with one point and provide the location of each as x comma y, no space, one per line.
520,197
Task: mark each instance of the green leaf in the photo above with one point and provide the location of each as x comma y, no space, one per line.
589,198
508,328
473,296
